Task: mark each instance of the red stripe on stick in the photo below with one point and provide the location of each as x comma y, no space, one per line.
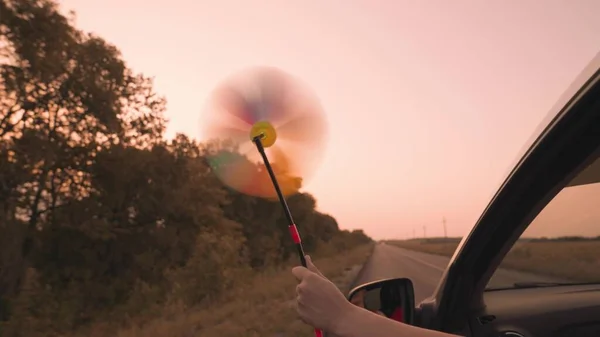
294,233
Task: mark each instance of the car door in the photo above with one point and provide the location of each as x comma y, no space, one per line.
563,155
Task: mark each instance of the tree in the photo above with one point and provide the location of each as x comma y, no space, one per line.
64,96
100,215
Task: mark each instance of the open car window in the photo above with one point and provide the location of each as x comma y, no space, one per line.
562,244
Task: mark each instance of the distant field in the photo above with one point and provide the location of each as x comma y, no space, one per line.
264,307
578,260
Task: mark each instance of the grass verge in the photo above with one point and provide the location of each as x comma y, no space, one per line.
265,307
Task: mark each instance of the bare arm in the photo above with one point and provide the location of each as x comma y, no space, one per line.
321,304
362,323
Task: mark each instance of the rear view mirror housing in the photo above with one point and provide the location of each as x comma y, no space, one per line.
393,298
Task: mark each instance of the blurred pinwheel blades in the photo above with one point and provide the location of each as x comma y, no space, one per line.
265,94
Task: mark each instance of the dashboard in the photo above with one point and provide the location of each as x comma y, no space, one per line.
558,311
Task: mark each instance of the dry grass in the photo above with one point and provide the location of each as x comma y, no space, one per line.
575,260
438,248
263,308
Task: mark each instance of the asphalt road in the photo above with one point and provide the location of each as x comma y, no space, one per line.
425,270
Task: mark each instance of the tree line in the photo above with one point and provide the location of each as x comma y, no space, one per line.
101,215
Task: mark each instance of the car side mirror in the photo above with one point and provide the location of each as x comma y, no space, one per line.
392,298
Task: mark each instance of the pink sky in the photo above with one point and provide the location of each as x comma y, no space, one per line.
444,93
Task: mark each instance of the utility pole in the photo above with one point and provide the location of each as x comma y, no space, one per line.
424,231
444,224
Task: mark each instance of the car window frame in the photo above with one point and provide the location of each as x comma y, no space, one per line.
593,159
477,257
